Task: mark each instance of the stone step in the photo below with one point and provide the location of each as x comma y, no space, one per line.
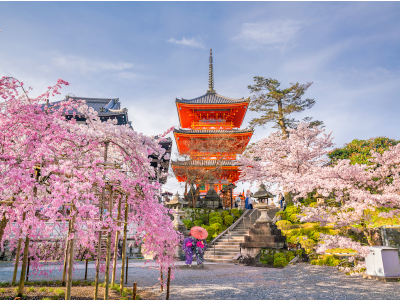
227,257
220,260
224,248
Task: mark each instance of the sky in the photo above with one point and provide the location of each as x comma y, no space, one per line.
149,53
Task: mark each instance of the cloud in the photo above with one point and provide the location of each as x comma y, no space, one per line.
86,65
192,42
277,34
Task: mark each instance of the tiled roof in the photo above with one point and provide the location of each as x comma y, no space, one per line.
233,131
103,106
211,98
205,163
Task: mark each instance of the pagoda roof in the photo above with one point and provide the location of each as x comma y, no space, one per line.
211,98
232,131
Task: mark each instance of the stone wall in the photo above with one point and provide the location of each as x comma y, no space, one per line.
391,236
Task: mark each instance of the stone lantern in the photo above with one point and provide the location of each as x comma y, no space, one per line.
211,199
263,194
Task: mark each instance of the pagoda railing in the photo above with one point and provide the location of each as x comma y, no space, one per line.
212,125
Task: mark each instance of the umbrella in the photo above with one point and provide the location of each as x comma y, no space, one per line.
198,232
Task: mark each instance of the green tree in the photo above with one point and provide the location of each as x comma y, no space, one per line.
359,151
277,104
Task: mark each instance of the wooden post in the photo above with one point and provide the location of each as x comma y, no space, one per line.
16,261
23,270
96,281
66,255
124,246
27,272
87,261
71,261
168,282
116,244
162,281
108,249
134,291
126,271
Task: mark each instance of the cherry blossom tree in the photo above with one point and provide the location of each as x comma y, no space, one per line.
60,176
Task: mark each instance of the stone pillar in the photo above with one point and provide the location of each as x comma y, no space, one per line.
179,226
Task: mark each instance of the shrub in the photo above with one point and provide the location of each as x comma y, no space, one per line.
213,215
267,259
211,232
217,227
290,255
228,220
279,255
198,222
216,220
283,224
280,262
299,253
224,213
188,223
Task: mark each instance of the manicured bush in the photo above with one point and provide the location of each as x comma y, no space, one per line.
290,255
280,262
228,220
216,220
217,227
279,255
214,214
224,213
188,224
267,259
198,222
283,224
299,253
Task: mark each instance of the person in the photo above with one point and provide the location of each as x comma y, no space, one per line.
188,247
250,202
237,202
200,248
281,199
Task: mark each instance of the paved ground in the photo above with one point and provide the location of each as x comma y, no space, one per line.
222,281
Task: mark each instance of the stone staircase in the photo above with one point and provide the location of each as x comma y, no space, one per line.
228,245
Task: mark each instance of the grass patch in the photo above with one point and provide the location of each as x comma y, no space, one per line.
31,289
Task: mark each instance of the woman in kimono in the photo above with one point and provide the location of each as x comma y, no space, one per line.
188,246
200,248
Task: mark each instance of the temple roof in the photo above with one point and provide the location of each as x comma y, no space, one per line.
103,106
233,131
211,98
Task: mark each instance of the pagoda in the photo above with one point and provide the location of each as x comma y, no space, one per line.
211,117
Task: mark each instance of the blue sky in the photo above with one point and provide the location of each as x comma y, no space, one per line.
148,53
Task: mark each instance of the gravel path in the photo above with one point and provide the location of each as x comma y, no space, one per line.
228,281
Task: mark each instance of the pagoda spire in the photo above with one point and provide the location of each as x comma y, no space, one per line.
211,76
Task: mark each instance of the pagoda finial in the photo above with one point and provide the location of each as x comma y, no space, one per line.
211,76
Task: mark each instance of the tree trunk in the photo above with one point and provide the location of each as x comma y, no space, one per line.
71,261
23,270
116,244
66,255
108,256
121,285
280,119
17,261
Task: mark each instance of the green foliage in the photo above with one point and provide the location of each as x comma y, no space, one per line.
279,255
188,224
42,289
224,213
290,255
2,290
326,260
214,214
128,291
283,224
31,289
198,222
228,220
269,96
299,252
50,290
124,294
216,220
59,292
211,232
359,151
236,213
280,262
217,227
115,287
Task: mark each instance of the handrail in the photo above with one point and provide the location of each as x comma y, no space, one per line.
229,228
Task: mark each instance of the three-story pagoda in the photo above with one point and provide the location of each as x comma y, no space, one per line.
211,117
